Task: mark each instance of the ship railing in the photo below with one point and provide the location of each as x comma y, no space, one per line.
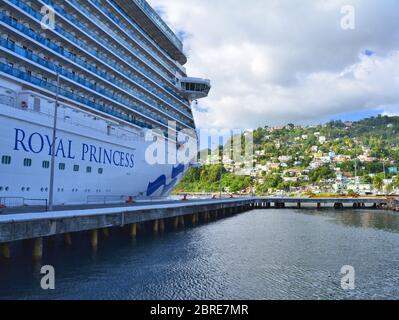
49,86
67,119
15,202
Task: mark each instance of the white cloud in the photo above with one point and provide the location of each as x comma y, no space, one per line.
278,61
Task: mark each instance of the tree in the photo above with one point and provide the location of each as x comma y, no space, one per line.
378,182
395,182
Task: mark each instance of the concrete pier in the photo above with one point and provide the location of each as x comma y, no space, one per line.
34,227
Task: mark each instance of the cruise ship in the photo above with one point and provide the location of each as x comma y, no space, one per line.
87,87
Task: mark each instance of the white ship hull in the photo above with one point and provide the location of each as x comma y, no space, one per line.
91,165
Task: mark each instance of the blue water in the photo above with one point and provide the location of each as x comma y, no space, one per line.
265,254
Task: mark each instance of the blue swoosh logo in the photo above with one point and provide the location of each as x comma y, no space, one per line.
161,181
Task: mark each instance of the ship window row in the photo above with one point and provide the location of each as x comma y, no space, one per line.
45,189
170,109
6,160
94,50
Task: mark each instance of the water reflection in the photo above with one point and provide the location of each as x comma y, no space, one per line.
263,254
375,219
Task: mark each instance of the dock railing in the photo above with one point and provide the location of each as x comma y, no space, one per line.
15,202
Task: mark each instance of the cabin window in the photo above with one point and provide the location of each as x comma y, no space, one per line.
46,164
61,166
88,169
76,168
27,162
6,160
100,171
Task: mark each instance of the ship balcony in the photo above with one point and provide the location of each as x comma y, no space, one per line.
195,88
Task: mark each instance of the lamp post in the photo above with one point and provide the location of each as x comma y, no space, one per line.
54,138
221,170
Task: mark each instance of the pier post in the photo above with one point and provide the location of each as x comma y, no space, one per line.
181,221
5,251
162,225
318,205
176,223
67,239
299,205
94,238
133,230
193,220
106,232
155,226
37,248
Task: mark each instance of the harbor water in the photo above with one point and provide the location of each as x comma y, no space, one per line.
261,254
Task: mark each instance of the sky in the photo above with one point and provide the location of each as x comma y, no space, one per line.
273,62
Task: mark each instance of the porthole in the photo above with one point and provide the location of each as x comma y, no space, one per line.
6,160
27,162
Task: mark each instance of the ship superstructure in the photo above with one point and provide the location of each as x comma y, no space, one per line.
117,71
